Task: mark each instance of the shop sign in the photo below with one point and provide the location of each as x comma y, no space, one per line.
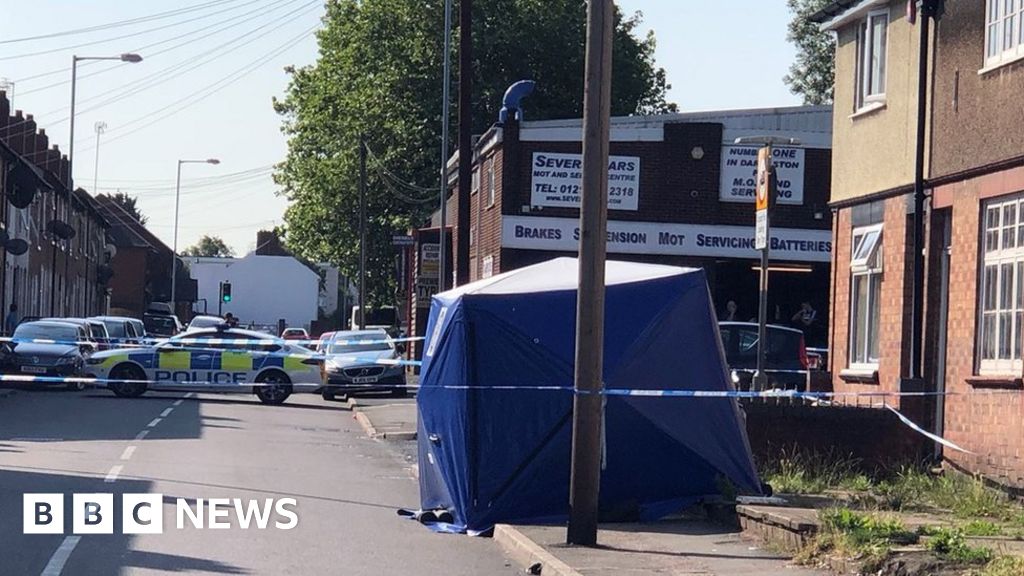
739,174
556,180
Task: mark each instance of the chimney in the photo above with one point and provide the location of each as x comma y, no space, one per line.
269,244
5,113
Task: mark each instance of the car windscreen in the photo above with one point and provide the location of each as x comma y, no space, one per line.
740,344
46,332
115,328
159,324
354,343
97,332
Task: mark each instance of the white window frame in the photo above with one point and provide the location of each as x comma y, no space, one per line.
865,72
1001,246
475,181
865,261
490,183
1004,32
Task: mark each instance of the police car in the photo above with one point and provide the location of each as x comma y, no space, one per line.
221,359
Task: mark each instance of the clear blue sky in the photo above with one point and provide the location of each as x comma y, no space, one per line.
217,81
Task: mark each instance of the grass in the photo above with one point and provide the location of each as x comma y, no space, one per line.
1003,566
950,544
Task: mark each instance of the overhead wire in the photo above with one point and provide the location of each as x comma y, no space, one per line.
122,37
118,24
198,96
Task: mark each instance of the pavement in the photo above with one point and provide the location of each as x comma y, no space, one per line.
671,547
347,488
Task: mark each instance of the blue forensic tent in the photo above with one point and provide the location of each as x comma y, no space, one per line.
489,453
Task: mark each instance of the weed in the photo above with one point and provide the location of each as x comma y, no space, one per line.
1003,566
982,528
950,544
796,471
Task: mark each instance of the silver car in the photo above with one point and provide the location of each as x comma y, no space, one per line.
363,361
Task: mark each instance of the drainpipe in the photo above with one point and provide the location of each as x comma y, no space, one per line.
917,296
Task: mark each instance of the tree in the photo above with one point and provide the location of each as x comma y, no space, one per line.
211,247
379,73
128,203
813,73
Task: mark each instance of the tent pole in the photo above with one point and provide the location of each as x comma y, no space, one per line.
588,402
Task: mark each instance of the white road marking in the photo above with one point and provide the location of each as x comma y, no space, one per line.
112,475
60,556
190,395
141,435
178,402
154,422
166,412
127,453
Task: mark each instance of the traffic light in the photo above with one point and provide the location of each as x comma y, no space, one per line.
225,292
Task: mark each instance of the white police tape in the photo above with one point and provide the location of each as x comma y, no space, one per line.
148,342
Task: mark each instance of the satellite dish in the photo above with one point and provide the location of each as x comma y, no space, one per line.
17,246
110,250
21,188
60,229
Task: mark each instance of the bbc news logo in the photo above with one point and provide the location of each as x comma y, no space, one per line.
144,513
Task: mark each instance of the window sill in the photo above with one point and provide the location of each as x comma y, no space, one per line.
993,67
859,376
1008,381
869,108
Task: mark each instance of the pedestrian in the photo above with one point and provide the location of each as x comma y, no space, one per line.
731,312
230,320
805,316
11,322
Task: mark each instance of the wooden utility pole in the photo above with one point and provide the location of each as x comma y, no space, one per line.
465,138
588,403
362,233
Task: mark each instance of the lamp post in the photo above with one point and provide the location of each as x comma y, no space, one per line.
174,256
75,59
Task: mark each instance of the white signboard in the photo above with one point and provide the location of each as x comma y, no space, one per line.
562,234
556,180
761,230
739,174
488,267
430,260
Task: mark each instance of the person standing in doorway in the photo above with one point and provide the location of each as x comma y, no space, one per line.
11,322
731,314
805,317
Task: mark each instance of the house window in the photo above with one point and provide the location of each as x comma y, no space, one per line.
490,183
872,40
866,281
475,182
1001,288
1004,31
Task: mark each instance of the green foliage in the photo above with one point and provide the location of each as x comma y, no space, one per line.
866,537
813,74
379,74
1003,566
801,472
128,203
950,544
209,246
982,528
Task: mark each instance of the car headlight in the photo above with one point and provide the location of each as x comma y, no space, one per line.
67,360
332,366
94,360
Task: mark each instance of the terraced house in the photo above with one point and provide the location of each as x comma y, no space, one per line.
963,152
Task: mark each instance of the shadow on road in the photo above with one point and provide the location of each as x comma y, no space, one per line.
95,553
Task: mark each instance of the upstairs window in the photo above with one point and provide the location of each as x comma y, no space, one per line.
866,296
872,42
1004,31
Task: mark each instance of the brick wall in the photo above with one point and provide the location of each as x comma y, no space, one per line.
894,312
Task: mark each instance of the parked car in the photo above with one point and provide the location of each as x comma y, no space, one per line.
161,325
295,334
96,331
122,330
321,344
205,321
786,359
65,357
352,367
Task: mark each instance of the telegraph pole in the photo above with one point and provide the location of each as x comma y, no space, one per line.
362,232
588,402
442,278
465,137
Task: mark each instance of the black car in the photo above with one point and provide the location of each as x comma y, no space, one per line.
786,360
65,356
161,325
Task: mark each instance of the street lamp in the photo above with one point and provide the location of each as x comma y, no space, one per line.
174,256
126,57
760,380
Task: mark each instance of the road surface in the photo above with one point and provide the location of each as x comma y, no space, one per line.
347,488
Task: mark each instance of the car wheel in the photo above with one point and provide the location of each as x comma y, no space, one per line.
274,388
132,389
329,396
76,386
